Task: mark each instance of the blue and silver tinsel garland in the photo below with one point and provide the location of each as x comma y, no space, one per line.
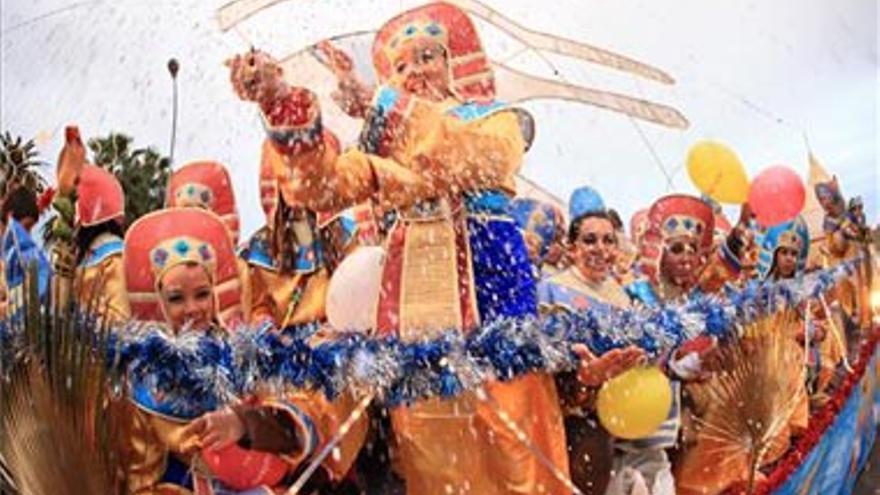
203,370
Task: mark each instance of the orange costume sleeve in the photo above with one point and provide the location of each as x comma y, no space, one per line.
430,152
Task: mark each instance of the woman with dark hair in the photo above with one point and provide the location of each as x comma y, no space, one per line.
590,282
593,250
20,204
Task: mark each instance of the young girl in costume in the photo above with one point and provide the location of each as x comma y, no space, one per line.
181,273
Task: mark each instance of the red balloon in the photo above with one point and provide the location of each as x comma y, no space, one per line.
777,195
242,469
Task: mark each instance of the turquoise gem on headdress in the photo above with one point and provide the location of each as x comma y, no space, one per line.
688,224
182,247
410,30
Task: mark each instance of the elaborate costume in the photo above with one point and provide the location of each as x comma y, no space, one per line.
288,282
681,217
280,432
162,449
206,184
828,352
843,239
455,257
638,225
569,288
794,235
20,251
641,464
684,226
100,213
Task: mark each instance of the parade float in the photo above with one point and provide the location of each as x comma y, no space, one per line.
369,331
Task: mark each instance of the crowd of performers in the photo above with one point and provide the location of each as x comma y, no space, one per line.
432,182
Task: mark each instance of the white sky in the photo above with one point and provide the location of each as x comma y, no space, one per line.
757,74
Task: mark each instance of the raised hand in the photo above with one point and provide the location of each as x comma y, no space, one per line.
352,95
594,371
255,76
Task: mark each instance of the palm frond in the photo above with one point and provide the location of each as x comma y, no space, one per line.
19,164
58,421
756,393
143,172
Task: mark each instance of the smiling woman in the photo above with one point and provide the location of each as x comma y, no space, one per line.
182,273
188,297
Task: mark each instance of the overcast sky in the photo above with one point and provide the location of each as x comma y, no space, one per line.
760,75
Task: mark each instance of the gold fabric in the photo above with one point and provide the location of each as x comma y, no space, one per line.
246,287
485,153
328,416
430,300
287,298
152,439
531,402
101,287
463,443
443,444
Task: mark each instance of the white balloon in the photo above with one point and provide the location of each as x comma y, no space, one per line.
354,288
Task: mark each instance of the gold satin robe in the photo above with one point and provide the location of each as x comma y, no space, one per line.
288,298
100,281
155,437
460,443
285,298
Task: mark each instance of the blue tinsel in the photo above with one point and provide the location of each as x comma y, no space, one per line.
193,372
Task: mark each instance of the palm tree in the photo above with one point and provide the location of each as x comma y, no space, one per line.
143,172
19,163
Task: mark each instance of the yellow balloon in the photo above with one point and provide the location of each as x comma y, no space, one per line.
635,403
717,172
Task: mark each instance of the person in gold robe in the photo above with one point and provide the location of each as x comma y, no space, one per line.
439,152
100,217
844,239
291,258
181,274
